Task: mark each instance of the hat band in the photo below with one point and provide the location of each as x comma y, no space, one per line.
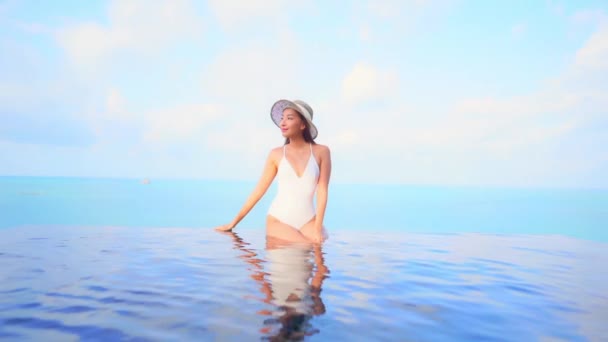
303,111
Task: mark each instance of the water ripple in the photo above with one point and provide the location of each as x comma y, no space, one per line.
156,284
86,332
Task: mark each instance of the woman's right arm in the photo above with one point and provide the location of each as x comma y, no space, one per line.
270,171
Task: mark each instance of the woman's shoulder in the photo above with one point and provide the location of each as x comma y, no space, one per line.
321,151
276,152
321,148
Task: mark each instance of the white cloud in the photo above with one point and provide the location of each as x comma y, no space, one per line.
366,82
134,25
527,136
121,122
497,124
388,20
250,141
396,8
362,109
556,6
33,28
243,144
345,140
233,14
365,33
384,8
405,12
238,12
589,16
519,140
519,29
347,137
594,54
255,74
491,125
248,78
136,30
184,123
115,104
14,94
88,42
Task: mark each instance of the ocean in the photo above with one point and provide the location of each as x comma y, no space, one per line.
115,259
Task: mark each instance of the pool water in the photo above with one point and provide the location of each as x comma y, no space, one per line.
116,283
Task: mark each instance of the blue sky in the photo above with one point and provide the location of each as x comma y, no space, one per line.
481,93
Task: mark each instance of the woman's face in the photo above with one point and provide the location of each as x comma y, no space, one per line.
291,123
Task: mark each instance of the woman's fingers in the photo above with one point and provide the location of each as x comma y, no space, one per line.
223,228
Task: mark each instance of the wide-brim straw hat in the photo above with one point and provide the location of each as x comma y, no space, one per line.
276,112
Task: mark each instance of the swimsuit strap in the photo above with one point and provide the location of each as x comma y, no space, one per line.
312,154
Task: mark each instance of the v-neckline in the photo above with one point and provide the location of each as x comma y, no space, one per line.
293,168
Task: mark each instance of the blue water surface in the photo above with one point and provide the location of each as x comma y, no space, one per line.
181,284
199,203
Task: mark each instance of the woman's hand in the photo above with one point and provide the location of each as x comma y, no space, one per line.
225,227
318,236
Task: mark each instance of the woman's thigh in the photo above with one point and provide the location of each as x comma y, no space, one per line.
282,231
308,230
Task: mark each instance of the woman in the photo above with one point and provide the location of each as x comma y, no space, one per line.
303,168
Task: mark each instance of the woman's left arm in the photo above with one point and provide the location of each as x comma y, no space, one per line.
322,188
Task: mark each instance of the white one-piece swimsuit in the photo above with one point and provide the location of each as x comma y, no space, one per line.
293,204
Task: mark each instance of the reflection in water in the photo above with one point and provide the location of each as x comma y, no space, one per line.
290,283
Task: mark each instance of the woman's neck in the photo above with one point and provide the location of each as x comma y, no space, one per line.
297,142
